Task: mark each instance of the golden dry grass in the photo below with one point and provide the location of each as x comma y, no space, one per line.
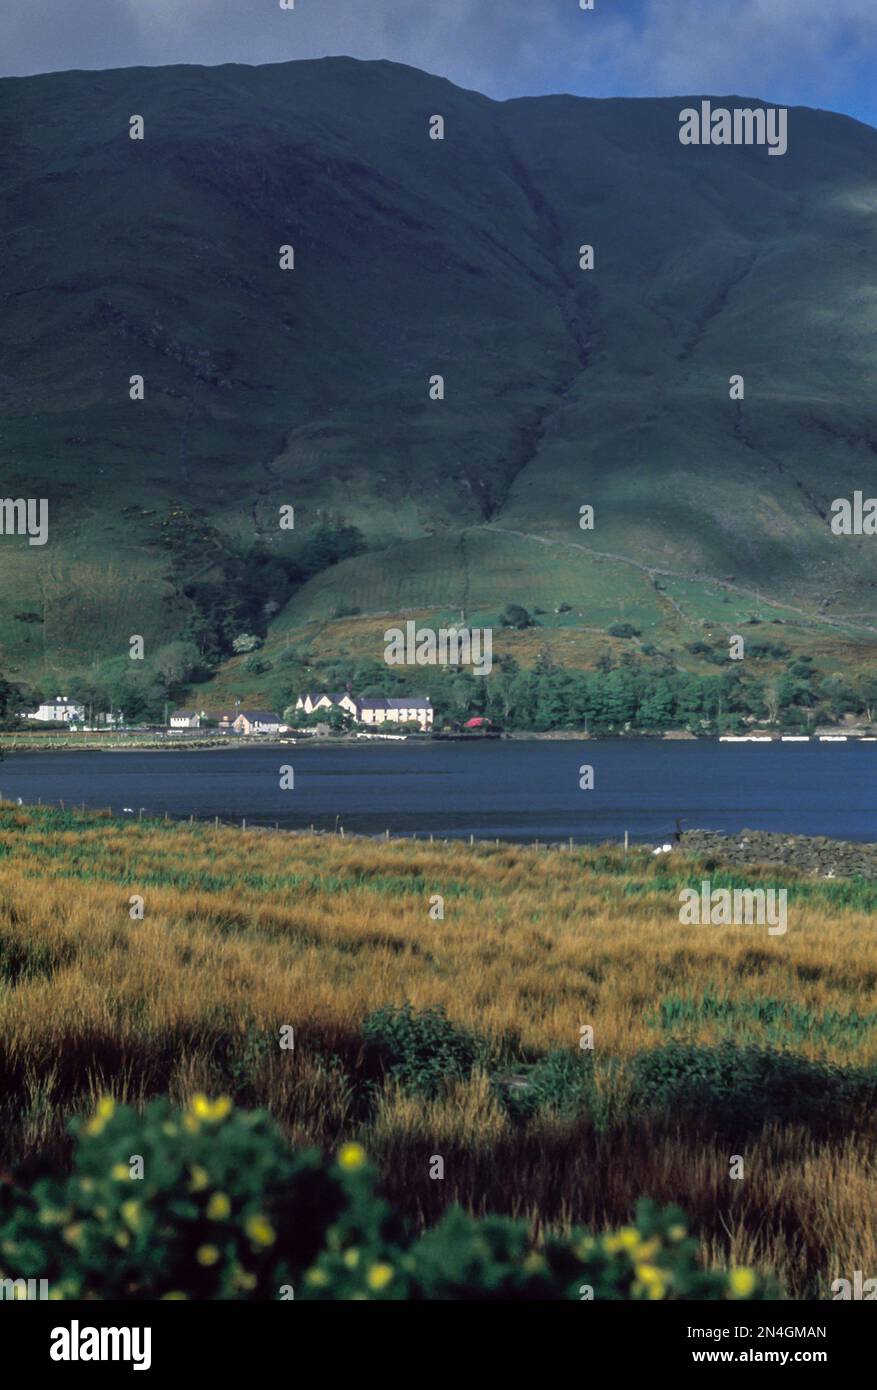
244,932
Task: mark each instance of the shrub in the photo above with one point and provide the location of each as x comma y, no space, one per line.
623,630
515,615
418,1050
221,1195
225,1210
745,1087
563,1082
493,1258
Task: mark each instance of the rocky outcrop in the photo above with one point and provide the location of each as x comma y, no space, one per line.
814,854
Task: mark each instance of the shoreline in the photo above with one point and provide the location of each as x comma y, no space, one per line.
114,743
819,856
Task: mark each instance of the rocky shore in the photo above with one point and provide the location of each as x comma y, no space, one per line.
815,854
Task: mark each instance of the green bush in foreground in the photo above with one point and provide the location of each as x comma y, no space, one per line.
224,1209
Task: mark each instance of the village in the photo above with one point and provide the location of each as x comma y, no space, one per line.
313,712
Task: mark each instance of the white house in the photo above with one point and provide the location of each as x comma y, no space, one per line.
59,711
186,719
413,709
258,721
311,702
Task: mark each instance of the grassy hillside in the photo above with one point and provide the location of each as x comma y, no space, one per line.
707,1042
414,257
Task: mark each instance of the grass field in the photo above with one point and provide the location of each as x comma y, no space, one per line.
772,1052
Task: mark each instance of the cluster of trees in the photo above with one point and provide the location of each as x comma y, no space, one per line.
225,590
629,694
632,694
140,689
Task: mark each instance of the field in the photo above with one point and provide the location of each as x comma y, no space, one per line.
708,1042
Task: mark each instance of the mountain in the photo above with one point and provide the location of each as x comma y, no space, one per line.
416,257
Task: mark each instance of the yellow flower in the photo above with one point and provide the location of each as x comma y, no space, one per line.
317,1277
351,1156
647,1250
260,1230
120,1172
218,1207
174,1296
73,1234
53,1216
626,1239
104,1112
242,1280
677,1233
742,1282
534,1262
207,1255
122,1239
190,1124
210,1110
200,1178
379,1276
351,1258
131,1214
650,1281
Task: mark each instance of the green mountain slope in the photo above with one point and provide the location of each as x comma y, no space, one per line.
415,257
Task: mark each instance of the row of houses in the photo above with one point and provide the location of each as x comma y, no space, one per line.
239,721
409,709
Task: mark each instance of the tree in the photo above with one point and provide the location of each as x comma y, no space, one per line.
866,686
515,615
656,709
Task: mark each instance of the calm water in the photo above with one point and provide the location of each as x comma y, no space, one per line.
512,790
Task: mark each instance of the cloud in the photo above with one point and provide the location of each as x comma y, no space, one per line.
742,45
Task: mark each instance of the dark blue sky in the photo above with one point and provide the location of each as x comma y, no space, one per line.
790,52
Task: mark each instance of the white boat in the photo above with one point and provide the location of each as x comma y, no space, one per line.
832,738
796,738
